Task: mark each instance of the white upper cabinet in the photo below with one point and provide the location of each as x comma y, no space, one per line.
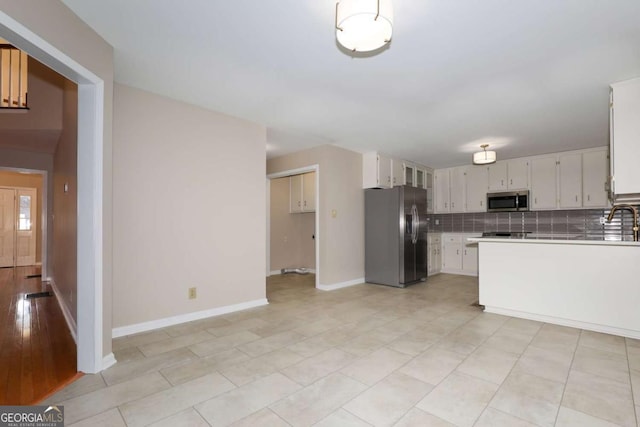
295,194
397,172
309,192
441,178
477,183
420,178
518,174
429,184
625,137
594,179
409,175
570,180
376,171
302,193
543,182
509,175
497,173
457,189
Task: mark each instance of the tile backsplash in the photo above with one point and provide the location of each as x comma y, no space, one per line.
581,223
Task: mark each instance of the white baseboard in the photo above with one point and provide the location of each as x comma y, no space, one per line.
71,323
108,361
340,285
183,318
566,322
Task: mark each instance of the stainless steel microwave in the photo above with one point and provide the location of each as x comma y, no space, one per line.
508,201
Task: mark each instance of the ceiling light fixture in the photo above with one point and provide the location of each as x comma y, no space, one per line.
484,157
364,25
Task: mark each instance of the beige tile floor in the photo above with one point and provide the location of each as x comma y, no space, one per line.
364,355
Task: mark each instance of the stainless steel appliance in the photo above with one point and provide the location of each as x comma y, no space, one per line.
395,236
508,201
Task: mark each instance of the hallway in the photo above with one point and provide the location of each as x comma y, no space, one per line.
37,351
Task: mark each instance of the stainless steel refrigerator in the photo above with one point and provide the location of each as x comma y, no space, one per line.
395,236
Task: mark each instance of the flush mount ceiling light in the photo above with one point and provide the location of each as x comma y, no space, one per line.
484,157
364,25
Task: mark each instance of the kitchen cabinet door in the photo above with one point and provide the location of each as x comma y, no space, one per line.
543,183
518,174
429,187
570,180
477,183
442,190
420,178
594,179
302,193
376,171
409,174
457,189
434,259
451,252
397,172
470,259
625,134
497,176
295,194
309,192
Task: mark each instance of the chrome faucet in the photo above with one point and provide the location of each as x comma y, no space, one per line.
634,211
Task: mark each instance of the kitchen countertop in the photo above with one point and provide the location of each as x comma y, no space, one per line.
558,239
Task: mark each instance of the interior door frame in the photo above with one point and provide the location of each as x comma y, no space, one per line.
312,168
90,156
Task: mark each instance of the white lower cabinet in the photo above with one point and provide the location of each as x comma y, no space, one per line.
458,255
434,257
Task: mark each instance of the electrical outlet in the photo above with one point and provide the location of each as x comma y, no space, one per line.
192,293
603,220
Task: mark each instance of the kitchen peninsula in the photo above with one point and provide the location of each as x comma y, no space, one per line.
588,284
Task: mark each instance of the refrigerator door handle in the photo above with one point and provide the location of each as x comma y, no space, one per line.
416,223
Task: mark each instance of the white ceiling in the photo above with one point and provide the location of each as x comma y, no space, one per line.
526,76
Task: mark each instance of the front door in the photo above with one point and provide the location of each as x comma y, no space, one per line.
26,231
7,226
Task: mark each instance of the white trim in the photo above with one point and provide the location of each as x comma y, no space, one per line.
108,361
340,285
566,322
68,317
268,225
183,318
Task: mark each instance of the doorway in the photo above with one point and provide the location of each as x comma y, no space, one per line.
18,226
92,202
293,228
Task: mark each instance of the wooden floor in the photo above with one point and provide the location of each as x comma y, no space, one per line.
37,352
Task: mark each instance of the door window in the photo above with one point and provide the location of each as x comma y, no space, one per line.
24,215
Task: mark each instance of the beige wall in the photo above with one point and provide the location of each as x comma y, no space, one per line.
341,238
61,28
189,208
14,179
291,244
65,211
